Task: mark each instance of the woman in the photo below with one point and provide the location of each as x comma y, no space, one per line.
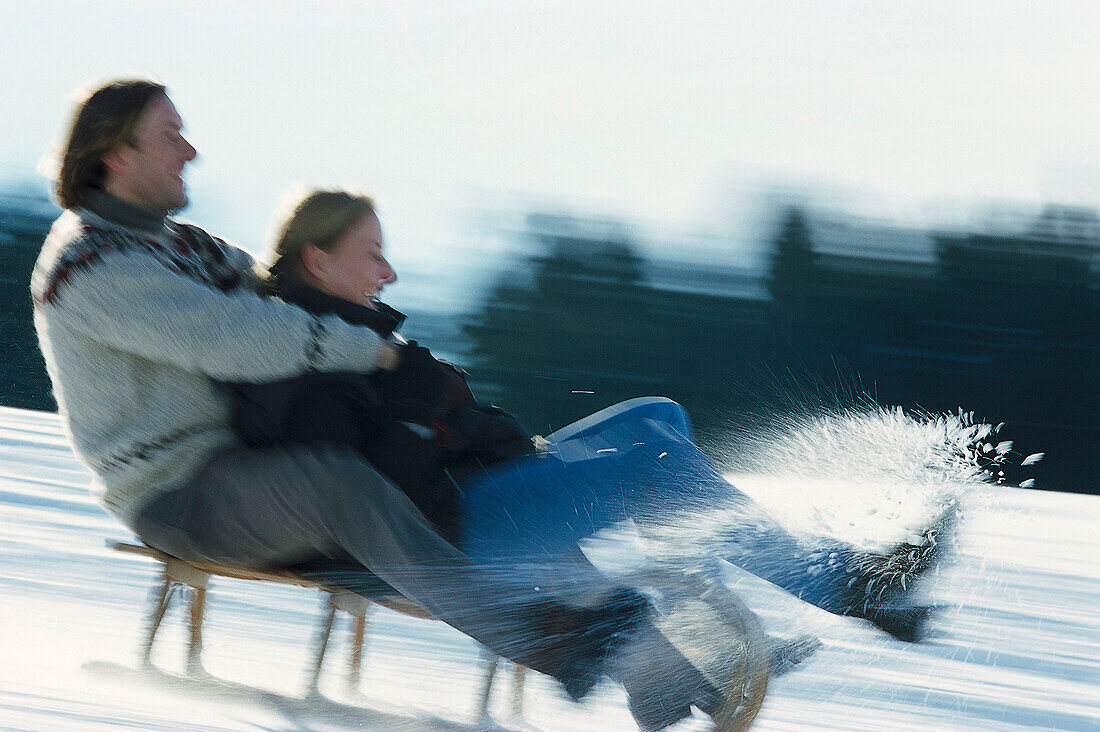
418,424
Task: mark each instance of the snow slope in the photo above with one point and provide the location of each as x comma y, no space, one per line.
1017,645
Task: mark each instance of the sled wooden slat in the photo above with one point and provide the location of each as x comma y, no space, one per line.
285,577
195,576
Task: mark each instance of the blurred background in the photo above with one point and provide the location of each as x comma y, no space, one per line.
757,209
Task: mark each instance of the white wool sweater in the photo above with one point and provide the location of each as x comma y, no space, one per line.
138,327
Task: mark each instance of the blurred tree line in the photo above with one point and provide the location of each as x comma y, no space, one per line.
1005,324
580,326
25,218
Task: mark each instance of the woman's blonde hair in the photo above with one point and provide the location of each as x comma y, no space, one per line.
317,217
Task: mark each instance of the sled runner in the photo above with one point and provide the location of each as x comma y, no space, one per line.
196,578
694,613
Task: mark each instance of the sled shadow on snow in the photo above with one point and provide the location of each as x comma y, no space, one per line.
303,713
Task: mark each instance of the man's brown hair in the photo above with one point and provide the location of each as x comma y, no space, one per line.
102,121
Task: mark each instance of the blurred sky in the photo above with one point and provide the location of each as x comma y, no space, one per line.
665,112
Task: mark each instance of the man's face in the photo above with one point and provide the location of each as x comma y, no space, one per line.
149,172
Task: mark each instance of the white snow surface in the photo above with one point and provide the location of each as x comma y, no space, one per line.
1016,645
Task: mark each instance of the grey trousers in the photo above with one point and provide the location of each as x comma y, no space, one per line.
276,507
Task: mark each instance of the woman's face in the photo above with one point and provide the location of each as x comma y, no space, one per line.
354,269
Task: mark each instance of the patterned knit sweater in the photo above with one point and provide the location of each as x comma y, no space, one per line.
137,326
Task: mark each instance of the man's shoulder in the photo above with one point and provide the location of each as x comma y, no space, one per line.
80,241
68,230
176,244
74,243
80,236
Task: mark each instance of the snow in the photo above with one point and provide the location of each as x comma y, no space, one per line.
1016,646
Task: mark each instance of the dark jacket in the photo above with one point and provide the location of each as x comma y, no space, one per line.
418,424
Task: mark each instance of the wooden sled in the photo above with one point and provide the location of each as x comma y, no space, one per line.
196,576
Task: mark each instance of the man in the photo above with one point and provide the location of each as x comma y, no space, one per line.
140,316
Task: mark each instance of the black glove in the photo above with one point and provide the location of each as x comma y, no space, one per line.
420,387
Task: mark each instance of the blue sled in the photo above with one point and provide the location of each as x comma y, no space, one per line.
634,460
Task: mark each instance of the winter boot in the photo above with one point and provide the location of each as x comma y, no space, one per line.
579,641
703,649
883,584
661,685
